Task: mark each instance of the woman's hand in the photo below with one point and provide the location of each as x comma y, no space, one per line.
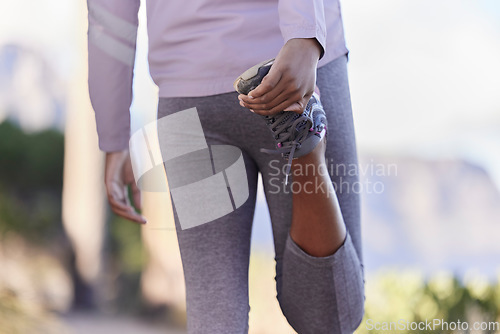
290,81
118,175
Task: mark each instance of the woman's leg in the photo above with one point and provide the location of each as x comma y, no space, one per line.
215,255
321,294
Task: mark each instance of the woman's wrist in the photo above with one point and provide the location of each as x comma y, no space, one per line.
307,45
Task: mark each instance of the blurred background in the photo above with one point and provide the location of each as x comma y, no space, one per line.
425,84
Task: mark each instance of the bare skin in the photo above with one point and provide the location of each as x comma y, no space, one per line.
317,224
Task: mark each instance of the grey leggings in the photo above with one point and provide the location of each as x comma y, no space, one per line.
316,295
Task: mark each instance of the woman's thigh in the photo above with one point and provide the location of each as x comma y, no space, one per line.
215,254
341,157
341,154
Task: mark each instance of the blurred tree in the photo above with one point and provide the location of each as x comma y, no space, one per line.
30,181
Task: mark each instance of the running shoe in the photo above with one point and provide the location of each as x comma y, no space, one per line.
295,134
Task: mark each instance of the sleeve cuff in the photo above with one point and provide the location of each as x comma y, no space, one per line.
303,19
120,144
306,32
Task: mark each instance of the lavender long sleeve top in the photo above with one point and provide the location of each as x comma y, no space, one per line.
196,48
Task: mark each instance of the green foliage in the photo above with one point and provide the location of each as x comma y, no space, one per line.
395,295
126,243
31,168
128,258
30,161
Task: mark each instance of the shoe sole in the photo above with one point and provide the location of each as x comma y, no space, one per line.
252,77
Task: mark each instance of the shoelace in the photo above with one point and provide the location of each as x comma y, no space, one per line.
289,136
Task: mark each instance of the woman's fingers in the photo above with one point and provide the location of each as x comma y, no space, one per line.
268,85
128,178
131,215
297,107
292,102
272,91
300,105
287,104
267,101
269,105
118,174
136,196
120,204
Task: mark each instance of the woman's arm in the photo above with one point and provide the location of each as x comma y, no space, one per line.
112,37
111,47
